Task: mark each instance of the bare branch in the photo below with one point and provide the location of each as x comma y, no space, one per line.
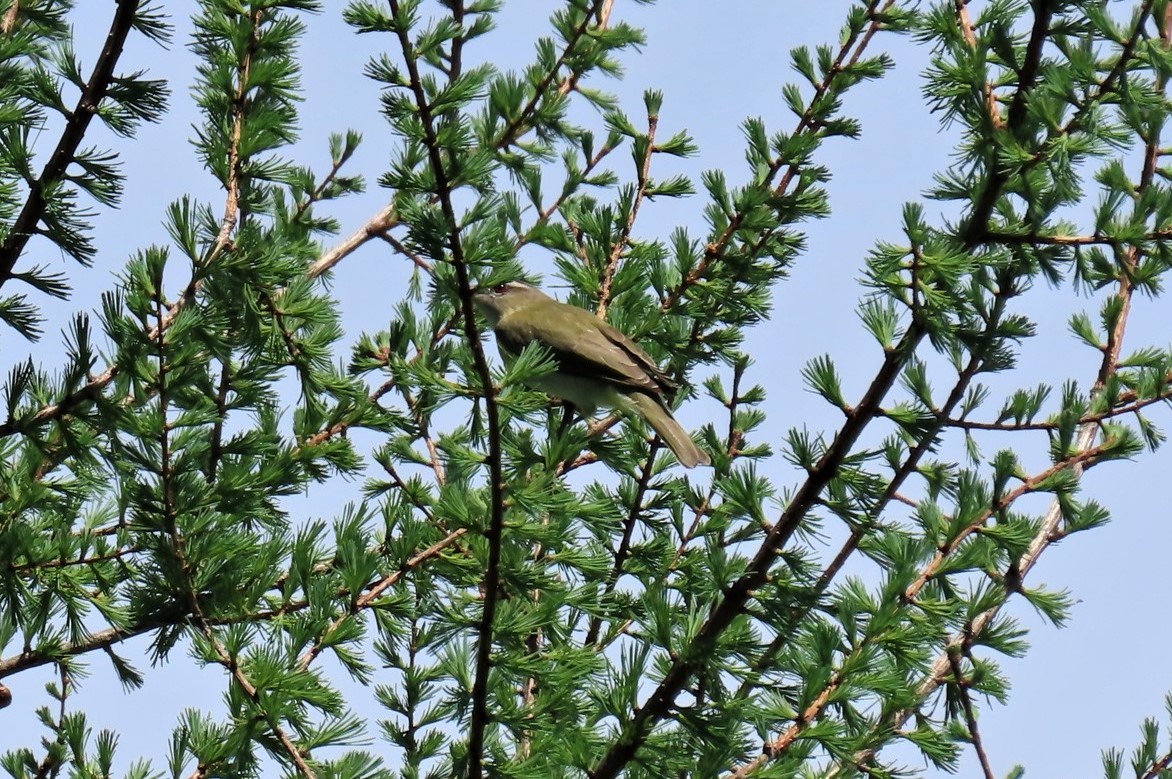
8,23
378,225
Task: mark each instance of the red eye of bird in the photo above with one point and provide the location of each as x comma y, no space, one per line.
501,289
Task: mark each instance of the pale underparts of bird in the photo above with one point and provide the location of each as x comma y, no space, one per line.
597,365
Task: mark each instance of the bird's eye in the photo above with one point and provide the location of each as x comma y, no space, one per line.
501,289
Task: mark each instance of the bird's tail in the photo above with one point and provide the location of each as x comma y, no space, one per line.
661,420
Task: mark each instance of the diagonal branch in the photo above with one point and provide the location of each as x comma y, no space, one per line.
941,670
849,53
375,592
1050,530
78,122
737,595
927,443
598,16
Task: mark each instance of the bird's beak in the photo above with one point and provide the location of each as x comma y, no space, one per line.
482,303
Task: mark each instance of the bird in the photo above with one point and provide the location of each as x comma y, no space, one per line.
597,365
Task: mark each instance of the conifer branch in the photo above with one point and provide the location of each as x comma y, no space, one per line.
642,182
620,555
939,672
1127,403
495,528
599,14
1078,463
976,231
970,715
374,593
103,640
78,122
569,636
849,53
1049,531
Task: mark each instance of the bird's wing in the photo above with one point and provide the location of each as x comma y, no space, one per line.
584,345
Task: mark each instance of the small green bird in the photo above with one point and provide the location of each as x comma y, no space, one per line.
596,364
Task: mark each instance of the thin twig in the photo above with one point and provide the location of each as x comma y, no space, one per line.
379,224
620,555
78,122
970,715
848,54
643,180
402,249
375,592
216,449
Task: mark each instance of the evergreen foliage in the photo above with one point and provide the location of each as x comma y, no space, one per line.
517,591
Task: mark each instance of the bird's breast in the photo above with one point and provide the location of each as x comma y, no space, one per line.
586,394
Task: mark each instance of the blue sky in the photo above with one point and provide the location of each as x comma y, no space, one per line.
1080,689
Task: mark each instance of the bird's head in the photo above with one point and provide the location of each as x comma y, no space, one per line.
500,300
